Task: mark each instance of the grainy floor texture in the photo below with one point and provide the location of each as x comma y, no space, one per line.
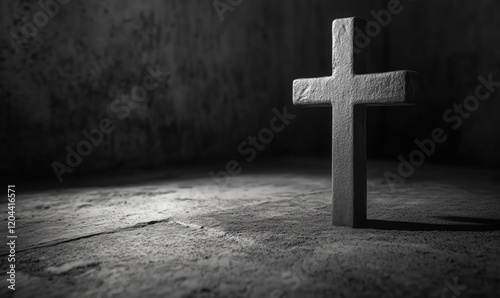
268,233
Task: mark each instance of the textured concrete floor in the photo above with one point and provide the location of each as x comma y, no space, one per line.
268,234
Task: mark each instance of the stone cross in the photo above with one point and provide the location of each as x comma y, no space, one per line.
349,93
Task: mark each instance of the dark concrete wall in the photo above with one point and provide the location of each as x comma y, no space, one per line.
226,77
450,43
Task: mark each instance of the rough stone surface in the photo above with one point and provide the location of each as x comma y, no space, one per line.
176,234
349,92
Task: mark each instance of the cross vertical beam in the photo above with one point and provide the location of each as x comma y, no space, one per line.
348,164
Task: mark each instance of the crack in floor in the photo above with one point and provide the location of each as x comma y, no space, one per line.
55,243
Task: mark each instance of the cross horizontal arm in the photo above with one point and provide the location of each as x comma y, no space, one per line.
312,92
397,87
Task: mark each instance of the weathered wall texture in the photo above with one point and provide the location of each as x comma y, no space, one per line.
225,78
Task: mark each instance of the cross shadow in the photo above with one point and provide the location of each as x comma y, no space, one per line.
473,224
